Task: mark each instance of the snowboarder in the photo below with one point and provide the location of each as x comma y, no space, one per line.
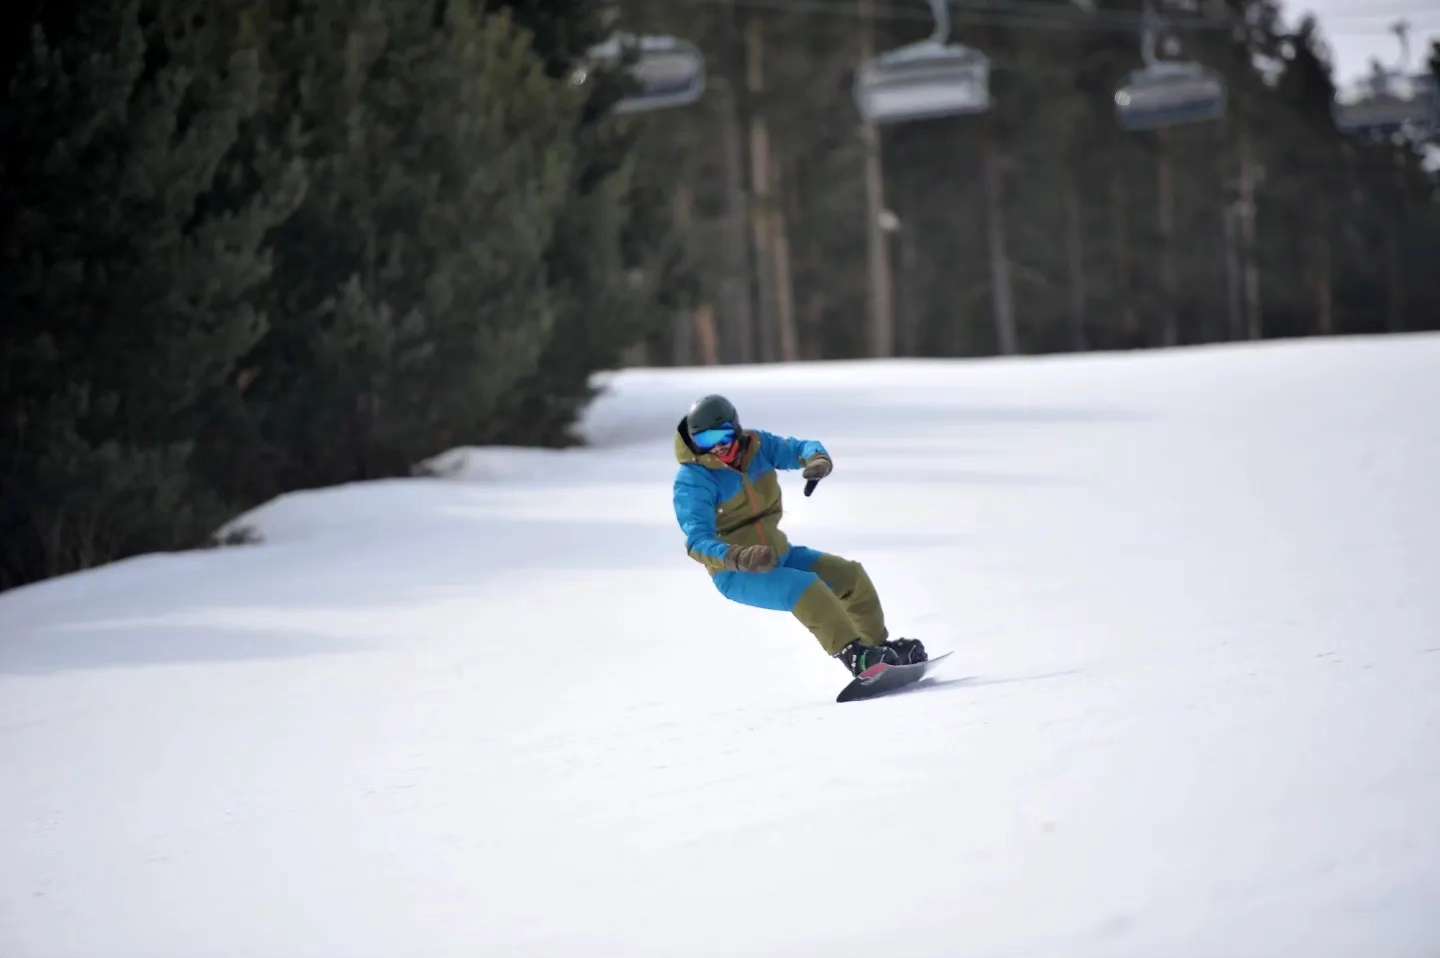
727,500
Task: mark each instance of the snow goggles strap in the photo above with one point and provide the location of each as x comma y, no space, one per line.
710,438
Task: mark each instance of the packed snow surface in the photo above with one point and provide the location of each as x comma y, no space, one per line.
1193,710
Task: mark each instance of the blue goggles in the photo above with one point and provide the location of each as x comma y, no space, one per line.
710,438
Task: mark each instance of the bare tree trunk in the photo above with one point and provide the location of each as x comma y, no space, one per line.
1120,222
1322,278
776,312
784,283
1229,240
882,310
1169,333
1248,246
1002,295
682,340
1394,280
1234,274
1075,255
759,195
812,344
1230,243
707,340
908,315
736,295
1394,267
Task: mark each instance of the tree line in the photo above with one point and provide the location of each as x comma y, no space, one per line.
263,245
257,246
1041,225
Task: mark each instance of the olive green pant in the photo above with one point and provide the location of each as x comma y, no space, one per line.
831,596
842,605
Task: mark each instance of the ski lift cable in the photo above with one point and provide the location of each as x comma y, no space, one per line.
1057,16
1376,13
1358,31
1065,16
1386,21
1051,16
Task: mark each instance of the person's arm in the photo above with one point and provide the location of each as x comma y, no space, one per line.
788,453
695,504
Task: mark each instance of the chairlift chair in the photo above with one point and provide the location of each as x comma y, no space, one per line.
1165,93
1390,102
932,78
922,81
667,71
1169,93
1382,115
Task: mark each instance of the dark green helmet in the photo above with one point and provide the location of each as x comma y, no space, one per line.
711,412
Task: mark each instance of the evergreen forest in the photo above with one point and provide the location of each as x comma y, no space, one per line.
254,246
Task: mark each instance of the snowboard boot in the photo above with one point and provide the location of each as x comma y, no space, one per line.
909,651
858,657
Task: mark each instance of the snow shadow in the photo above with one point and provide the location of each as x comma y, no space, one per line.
975,681
102,645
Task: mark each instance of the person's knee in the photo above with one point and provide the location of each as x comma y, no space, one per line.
798,585
779,590
841,574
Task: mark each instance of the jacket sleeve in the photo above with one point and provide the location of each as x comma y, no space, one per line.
695,505
786,453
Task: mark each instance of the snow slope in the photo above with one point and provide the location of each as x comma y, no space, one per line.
1194,710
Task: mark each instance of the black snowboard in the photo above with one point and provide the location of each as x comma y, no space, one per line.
882,678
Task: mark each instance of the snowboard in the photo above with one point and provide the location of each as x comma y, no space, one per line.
882,678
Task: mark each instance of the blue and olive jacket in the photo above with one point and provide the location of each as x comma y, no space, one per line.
719,506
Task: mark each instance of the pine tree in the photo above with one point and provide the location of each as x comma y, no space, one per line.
412,291
130,267
617,273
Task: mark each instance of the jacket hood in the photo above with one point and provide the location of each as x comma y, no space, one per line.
684,452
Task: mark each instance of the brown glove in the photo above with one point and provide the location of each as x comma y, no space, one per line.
818,468
750,559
